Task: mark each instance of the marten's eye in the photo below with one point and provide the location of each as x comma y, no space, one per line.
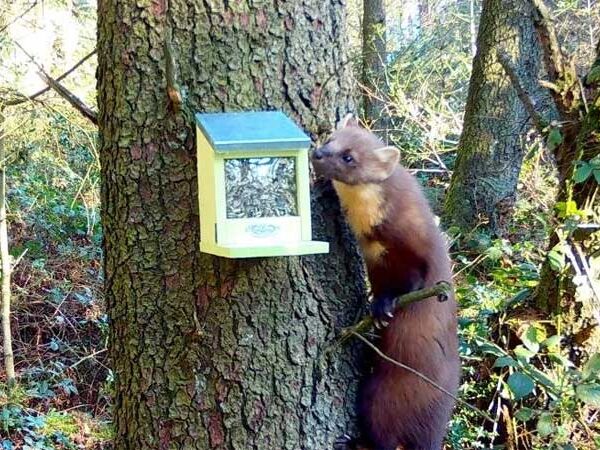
347,158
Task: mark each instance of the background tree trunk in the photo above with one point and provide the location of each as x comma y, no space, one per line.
210,352
374,58
490,150
580,142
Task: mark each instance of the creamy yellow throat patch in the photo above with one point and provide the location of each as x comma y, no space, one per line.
362,204
372,250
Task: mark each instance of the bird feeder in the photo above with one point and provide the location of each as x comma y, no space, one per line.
253,186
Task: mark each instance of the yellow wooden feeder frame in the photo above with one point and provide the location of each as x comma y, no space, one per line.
222,136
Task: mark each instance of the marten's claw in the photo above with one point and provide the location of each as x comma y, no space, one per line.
382,309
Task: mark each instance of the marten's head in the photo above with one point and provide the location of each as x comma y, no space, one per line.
354,155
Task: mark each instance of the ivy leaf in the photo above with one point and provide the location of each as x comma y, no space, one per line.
597,175
544,425
592,366
520,385
524,414
555,138
589,393
505,361
583,171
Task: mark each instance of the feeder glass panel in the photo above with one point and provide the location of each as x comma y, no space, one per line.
260,187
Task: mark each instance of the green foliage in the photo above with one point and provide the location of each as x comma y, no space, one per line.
585,169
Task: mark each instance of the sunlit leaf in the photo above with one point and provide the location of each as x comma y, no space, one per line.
523,353
592,366
552,341
589,393
556,260
533,336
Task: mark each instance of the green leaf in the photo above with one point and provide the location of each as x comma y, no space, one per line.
494,253
524,414
560,359
533,336
567,209
582,172
589,393
552,341
523,354
505,361
555,138
540,377
544,425
556,260
520,385
592,366
597,175
491,349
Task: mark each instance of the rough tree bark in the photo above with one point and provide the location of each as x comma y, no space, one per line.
374,57
490,150
209,352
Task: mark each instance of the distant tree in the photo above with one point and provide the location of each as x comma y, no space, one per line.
490,150
374,59
209,352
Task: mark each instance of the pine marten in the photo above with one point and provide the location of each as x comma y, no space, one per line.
404,251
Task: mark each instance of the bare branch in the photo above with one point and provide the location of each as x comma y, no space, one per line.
25,98
528,102
77,103
18,17
441,289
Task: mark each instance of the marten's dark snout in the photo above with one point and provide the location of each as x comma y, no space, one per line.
318,154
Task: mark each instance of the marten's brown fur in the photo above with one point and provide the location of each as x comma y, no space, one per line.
404,251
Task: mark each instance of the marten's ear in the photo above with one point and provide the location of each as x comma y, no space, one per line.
388,156
348,121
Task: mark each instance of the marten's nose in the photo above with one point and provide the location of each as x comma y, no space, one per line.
318,154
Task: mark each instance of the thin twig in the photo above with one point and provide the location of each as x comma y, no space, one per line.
19,16
85,358
422,377
442,288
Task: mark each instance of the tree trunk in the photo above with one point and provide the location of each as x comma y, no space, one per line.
374,58
580,142
491,146
9,359
210,352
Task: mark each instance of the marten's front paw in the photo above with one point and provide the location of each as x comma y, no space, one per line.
345,442
382,310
